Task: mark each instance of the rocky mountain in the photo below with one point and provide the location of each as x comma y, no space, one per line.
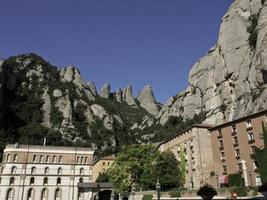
38,100
230,81
50,102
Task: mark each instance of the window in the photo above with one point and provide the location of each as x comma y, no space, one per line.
0,180
10,194
103,163
80,180
54,159
60,159
47,159
248,123
8,158
12,181
221,145
57,194
58,181
44,194
1,170
46,171
251,137
235,141
13,170
85,160
34,159
59,170
255,165
81,171
233,129
258,181
45,181
78,159
32,181
223,156
81,159
224,169
15,158
33,170
30,194
237,153
252,150
41,159
219,133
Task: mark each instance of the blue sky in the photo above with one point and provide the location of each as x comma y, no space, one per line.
119,42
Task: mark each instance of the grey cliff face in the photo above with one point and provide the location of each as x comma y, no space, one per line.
230,81
92,87
148,101
129,99
105,91
118,94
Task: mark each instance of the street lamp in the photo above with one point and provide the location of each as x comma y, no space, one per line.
158,189
133,191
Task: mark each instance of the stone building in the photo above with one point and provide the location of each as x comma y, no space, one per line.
195,144
233,146
102,165
31,172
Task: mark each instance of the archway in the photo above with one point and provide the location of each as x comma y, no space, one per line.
105,195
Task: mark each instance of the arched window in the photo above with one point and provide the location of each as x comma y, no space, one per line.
45,181
54,159
34,159
13,170
12,181
60,159
44,194
78,159
58,181
47,159
85,160
59,170
81,171
33,170
81,180
1,170
82,159
46,171
15,158
10,194
41,159
8,158
30,194
0,180
32,181
57,194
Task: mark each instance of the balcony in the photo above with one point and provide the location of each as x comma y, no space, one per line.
250,141
221,147
235,144
233,132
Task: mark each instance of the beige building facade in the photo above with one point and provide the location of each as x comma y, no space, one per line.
233,146
102,165
32,172
195,142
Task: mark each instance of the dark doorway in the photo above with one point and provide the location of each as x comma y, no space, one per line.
105,195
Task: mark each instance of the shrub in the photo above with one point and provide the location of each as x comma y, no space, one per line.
206,190
147,197
240,191
235,180
175,193
263,187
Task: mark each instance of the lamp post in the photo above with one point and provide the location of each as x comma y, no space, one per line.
133,191
158,189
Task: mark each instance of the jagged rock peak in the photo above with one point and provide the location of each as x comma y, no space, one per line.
147,100
119,97
92,87
129,99
231,80
105,91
